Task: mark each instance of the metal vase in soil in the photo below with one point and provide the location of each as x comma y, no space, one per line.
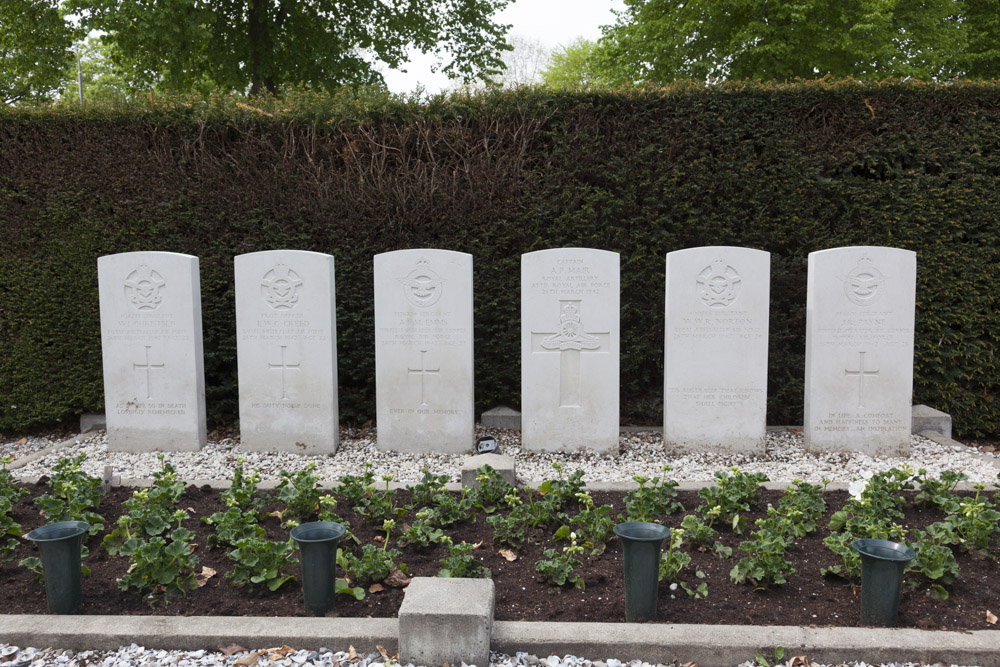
641,542
882,565
317,543
59,544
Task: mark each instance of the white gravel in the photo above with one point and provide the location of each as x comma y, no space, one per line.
135,656
640,454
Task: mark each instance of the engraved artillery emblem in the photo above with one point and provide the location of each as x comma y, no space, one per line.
422,286
280,288
142,288
863,284
719,285
570,341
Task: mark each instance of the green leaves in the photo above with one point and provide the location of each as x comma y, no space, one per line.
261,561
75,494
35,49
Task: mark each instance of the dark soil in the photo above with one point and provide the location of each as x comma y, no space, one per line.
807,598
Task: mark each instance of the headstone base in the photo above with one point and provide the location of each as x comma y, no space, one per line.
926,418
502,464
446,621
502,417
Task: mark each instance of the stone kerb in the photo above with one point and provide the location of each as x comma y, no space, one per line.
715,350
570,337
424,351
151,341
860,305
286,333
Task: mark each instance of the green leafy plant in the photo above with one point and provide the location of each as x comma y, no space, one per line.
934,560
150,511
651,502
75,494
375,564
460,563
507,530
696,530
491,489
937,491
779,655
380,505
562,490
10,490
261,561
422,533
592,525
355,488
974,523
558,569
735,492
765,563
300,493
161,564
10,493
673,560
422,493
450,508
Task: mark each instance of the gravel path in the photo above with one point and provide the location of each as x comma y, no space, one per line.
134,656
640,454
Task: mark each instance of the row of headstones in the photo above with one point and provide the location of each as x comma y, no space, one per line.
859,350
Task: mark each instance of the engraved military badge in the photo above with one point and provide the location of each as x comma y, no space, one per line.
719,285
280,288
422,286
863,284
142,288
571,335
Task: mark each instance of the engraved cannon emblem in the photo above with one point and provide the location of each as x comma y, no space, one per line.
280,287
142,288
422,286
863,284
719,284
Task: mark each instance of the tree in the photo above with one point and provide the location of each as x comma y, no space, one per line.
577,64
524,62
35,49
259,45
101,82
663,40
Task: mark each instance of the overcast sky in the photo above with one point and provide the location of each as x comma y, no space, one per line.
552,22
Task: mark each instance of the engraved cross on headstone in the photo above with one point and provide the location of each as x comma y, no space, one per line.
423,372
570,341
283,366
861,373
148,367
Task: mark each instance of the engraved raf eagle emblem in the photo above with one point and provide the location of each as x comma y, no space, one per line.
719,284
422,286
280,287
142,288
863,284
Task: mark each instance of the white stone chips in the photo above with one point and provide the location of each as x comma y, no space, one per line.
286,332
859,349
424,351
570,334
154,381
715,349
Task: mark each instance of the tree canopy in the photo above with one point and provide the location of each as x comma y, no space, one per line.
35,49
577,64
258,45
663,40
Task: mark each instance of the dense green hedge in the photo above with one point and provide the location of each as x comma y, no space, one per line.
789,169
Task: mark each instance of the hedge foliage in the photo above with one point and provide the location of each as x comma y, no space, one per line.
789,169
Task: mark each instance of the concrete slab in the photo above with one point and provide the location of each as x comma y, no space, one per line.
926,418
92,421
446,620
502,464
501,417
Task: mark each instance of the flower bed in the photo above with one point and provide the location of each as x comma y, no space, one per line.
157,554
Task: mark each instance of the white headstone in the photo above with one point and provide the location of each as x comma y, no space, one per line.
424,351
286,333
570,335
154,378
859,350
715,350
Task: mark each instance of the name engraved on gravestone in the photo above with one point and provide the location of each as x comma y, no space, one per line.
286,340
152,351
859,349
715,349
569,349
423,350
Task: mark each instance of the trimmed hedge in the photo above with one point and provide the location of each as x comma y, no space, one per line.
788,169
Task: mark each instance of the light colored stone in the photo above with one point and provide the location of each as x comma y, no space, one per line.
286,334
92,421
154,379
926,418
502,464
570,334
424,351
502,417
859,350
715,350
446,620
